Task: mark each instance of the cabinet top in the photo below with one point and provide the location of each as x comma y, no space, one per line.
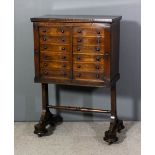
76,18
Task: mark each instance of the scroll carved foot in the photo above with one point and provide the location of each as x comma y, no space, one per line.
111,134
46,118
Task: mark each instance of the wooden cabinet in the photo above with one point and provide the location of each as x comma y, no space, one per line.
77,50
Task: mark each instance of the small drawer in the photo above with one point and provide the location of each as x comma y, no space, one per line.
88,75
88,49
88,58
88,41
54,65
54,39
60,30
55,48
88,31
56,73
51,56
85,66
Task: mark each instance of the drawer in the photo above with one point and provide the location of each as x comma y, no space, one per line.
55,48
88,75
88,41
88,49
85,66
88,58
54,65
60,30
54,39
59,74
88,31
50,56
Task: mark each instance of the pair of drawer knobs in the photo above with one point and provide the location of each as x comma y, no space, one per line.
97,49
97,66
46,47
79,75
63,72
61,30
98,58
62,39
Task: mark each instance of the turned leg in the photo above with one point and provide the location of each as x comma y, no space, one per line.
46,116
116,125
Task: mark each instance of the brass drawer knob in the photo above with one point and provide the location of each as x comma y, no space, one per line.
98,32
98,58
63,39
62,30
44,38
45,72
79,75
78,49
45,47
97,48
63,57
63,48
64,65
79,66
78,57
79,31
45,64
79,40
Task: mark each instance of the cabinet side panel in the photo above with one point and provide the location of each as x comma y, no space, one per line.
36,52
115,35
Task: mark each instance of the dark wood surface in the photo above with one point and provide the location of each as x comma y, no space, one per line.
77,18
79,51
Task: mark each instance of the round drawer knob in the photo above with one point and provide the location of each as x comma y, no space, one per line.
63,39
97,48
79,66
45,72
45,64
63,48
63,57
97,76
44,31
78,57
79,31
98,32
79,40
78,49
79,75
98,58
45,47
62,31
44,38
64,65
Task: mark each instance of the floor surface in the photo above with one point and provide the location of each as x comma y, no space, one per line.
77,138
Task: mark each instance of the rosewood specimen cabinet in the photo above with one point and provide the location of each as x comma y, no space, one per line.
77,50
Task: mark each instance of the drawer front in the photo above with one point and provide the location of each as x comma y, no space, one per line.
82,66
88,58
55,40
54,31
88,49
55,48
51,56
55,65
88,41
97,76
88,31
58,74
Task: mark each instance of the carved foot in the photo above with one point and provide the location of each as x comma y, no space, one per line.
111,134
46,118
